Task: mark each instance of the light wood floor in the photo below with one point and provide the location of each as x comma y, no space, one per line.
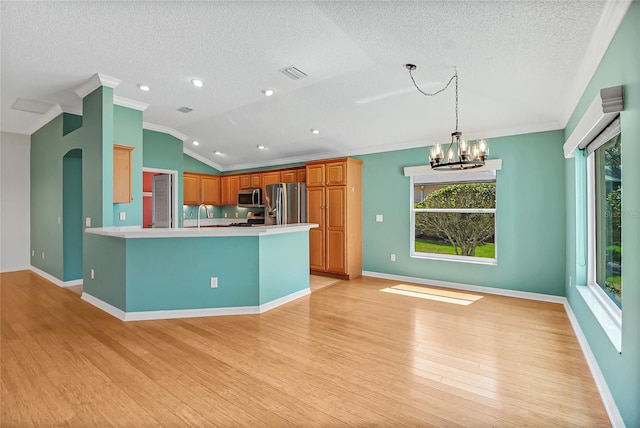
346,355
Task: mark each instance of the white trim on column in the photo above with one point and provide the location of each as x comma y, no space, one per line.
95,82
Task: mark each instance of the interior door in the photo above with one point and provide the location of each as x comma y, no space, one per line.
162,200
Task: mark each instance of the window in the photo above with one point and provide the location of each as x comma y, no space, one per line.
454,216
604,216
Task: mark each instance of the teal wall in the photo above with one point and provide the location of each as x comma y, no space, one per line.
193,165
127,131
107,257
72,225
284,262
620,66
48,147
530,225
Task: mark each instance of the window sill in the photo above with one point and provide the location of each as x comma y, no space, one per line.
610,321
458,259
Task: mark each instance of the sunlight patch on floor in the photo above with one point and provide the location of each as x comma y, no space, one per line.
447,296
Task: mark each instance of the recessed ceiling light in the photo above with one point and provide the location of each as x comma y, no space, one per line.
268,92
260,147
315,131
197,83
196,143
217,152
143,87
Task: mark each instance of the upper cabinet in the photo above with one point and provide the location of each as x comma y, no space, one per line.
200,189
229,186
289,176
122,174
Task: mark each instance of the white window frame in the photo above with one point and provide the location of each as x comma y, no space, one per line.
608,314
424,174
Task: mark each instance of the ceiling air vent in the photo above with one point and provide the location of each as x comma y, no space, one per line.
185,109
293,73
32,106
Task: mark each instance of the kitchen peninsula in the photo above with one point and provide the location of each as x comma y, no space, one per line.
138,274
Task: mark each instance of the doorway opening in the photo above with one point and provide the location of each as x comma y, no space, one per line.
72,226
159,198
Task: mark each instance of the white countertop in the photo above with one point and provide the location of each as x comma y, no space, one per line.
193,232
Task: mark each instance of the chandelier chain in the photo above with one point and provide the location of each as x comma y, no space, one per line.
455,76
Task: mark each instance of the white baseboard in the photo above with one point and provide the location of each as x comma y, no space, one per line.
55,280
605,394
467,287
14,268
607,399
192,313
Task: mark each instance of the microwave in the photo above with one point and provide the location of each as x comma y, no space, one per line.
250,198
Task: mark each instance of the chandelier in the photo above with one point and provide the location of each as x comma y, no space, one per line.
460,154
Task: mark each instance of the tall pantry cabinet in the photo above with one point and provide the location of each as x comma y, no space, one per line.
334,202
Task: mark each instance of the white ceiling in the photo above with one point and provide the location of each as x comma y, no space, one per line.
522,66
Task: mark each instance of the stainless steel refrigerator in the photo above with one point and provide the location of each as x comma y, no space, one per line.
285,203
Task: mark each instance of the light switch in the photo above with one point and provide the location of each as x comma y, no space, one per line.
379,218
123,216
87,222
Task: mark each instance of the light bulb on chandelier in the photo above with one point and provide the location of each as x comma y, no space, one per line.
465,155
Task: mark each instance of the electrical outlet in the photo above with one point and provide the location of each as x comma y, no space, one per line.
214,282
123,216
93,274
43,255
393,257
225,215
379,218
87,222
33,253
58,219
236,215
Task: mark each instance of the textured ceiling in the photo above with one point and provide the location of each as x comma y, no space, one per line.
518,63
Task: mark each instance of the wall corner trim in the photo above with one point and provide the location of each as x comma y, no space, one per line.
132,104
603,110
607,399
94,82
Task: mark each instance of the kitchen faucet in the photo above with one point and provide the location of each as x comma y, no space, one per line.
198,214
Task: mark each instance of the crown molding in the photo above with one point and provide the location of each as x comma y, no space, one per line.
132,104
165,130
47,117
202,159
94,82
612,15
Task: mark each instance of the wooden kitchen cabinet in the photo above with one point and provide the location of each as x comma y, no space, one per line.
270,177
229,187
288,176
301,175
245,181
191,189
334,202
122,174
210,189
200,189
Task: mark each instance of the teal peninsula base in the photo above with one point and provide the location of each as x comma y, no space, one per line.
141,274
